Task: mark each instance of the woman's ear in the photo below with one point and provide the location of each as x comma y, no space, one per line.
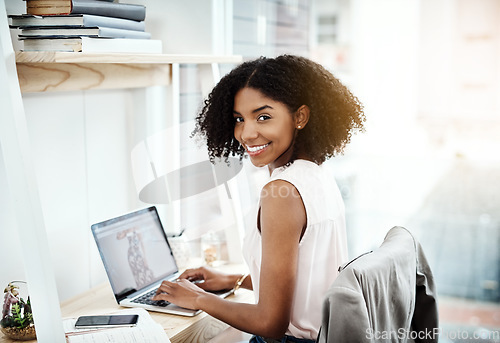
302,117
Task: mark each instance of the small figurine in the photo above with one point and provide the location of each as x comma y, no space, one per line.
17,318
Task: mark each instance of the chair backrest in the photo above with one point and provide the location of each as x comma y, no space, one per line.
375,297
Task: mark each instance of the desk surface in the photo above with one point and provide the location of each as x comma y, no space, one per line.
100,300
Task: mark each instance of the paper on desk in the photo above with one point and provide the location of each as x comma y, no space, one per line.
146,330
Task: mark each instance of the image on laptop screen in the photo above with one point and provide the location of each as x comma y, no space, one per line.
134,250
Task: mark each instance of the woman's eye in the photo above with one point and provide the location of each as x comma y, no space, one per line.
264,117
238,119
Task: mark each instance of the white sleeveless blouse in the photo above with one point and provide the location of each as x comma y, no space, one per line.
322,249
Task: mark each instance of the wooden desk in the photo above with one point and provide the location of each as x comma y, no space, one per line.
100,300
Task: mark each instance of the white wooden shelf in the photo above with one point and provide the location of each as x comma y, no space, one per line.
48,71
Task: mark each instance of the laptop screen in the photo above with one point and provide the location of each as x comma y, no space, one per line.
134,250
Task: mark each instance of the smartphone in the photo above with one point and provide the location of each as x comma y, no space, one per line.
120,320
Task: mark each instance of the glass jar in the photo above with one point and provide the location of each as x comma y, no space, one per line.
181,250
211,249
17,318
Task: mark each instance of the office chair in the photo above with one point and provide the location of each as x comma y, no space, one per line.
387,295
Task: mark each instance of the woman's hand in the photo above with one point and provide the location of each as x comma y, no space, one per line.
209,279
181,293
192,284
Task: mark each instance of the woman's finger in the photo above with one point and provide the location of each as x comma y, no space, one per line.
164,290
164,286
192,275
161,296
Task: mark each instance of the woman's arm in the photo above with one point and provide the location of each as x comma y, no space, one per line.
282,220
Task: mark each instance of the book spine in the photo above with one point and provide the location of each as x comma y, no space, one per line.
110,9
70,45
86,20
119,23
43,7
62,32
121,45
119,33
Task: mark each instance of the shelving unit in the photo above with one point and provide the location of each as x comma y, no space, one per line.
46,71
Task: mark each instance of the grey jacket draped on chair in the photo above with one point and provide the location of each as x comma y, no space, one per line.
387,295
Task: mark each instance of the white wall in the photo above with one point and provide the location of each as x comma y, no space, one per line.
82,161
81,156
183,26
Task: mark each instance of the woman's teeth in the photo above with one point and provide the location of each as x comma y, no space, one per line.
256,148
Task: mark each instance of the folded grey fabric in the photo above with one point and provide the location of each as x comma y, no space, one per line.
387,295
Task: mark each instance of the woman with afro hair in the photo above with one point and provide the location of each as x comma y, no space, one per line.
290,114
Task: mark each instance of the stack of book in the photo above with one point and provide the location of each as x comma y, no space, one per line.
84,26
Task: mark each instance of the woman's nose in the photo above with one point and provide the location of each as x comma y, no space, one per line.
249,132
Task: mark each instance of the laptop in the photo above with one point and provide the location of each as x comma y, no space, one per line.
137,257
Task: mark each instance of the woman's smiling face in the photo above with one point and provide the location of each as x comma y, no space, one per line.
264,127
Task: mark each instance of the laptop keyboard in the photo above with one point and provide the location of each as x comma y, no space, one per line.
146,299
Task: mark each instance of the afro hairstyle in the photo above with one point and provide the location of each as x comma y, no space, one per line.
335,113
